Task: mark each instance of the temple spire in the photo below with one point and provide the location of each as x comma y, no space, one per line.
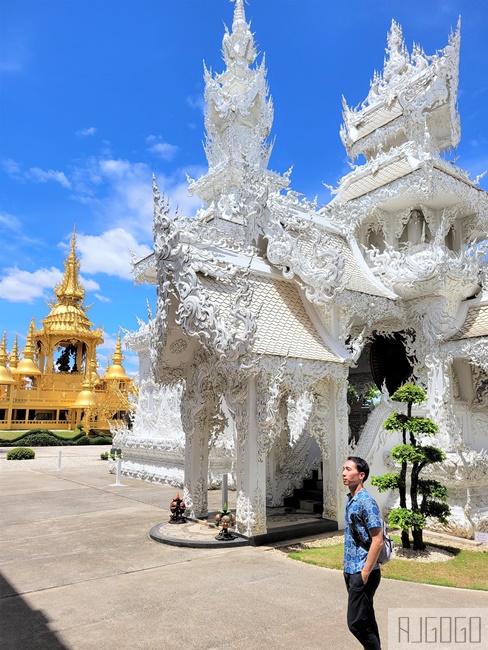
70,291
238,46
6,377
116,370
68,314
14,355
238,122
239,15
27,366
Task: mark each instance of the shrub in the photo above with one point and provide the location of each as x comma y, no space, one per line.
100,440
37,438
81,440
43,440
104,455
21,453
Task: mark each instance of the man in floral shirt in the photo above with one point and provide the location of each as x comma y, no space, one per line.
363,540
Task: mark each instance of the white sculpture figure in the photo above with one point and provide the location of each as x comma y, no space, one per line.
270,307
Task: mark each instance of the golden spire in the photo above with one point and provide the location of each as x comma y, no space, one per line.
70,291
14,355
93,374
68,315
118,358
5,373
27,365
116,370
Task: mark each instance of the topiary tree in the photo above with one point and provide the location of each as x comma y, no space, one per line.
427,496
21,453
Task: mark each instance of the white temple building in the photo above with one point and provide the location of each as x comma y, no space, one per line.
275,315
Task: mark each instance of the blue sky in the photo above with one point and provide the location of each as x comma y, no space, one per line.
96,95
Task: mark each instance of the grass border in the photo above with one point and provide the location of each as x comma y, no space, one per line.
466,570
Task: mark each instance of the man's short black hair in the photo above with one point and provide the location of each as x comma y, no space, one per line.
361,464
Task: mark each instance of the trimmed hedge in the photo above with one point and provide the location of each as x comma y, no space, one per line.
47,438
42,440
21,453
100,440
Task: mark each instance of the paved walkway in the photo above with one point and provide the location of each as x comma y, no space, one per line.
80,572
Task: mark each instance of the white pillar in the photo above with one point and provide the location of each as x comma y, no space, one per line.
251,474
338,451
196,465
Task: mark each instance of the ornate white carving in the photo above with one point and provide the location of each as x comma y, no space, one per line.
417,208
410,86
245,516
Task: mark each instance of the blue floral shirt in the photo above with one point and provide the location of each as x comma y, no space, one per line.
363,511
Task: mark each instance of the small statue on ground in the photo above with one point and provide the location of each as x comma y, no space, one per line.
225,519
177,507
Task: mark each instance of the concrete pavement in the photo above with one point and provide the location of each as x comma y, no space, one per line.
80,572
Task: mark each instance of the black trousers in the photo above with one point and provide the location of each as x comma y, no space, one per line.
360,612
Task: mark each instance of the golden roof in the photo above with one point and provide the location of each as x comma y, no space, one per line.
68,315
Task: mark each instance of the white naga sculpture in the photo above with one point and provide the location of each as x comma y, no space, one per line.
269,307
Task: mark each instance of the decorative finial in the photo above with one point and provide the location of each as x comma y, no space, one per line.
14,355
6,377
29,342
239,14
69,291
239,45
27,366
3,349
117,357
116,370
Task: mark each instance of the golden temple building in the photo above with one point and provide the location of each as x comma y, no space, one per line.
55,385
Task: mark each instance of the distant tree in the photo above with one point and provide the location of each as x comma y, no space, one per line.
427,496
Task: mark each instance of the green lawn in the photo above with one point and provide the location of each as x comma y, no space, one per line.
467,570
13,435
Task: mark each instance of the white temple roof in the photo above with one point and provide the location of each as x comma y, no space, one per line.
476,323
284,329
355,187
356,276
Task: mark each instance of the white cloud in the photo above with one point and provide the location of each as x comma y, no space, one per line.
197,102
109,252
120,193
9,221
109,342
88,284
22,286
102,298
35,174
17,285
129,202
164,150
43,176
11,167
84,132
160,148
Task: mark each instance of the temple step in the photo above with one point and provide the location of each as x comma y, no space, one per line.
308,498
